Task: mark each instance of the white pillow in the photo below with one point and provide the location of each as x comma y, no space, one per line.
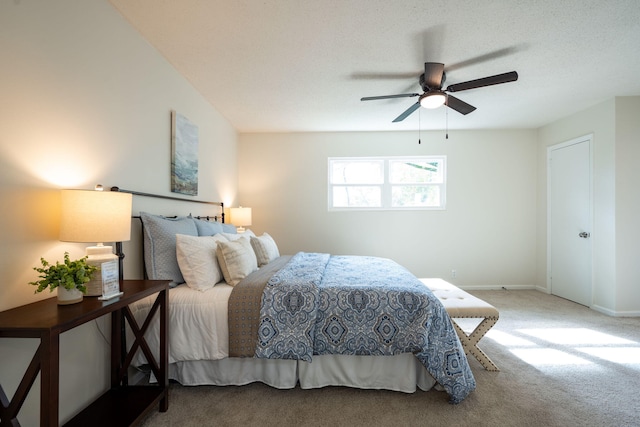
237,260
265,248
197,260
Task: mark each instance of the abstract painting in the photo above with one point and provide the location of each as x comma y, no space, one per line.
184,155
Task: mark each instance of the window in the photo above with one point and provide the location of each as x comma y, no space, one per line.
370,183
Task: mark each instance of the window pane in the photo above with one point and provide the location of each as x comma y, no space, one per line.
412,182
356,197
357,172
407,196
416,171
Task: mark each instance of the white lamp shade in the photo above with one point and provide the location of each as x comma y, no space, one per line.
95,216
241,217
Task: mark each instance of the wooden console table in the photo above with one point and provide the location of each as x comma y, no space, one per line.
121,405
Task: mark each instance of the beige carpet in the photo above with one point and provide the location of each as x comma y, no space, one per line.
561,365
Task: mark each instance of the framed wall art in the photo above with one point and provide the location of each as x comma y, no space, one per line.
184,155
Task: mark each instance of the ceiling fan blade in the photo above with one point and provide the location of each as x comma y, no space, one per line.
486,57
384,76
511,76
433,73
401,95
407,112
459,105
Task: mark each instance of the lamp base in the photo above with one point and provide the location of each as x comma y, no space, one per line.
96,256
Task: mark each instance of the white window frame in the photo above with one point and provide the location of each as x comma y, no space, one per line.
386,186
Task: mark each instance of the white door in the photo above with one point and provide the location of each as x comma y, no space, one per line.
569,204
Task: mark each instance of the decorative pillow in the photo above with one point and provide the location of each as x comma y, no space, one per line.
160,245
235,236
208,228
265,248
237,260
229,228
197,260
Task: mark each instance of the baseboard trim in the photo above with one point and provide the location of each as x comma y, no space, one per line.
614,313
498,287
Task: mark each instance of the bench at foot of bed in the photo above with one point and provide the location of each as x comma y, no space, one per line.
460,304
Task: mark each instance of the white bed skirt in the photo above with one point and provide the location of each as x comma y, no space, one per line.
402,373
198,343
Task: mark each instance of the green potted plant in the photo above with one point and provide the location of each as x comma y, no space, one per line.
69,277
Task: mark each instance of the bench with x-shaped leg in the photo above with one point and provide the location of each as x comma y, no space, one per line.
460,304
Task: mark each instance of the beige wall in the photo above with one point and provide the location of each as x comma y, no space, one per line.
84,100
627,154
487,233
599,121
616,202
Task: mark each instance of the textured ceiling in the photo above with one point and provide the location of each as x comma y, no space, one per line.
303,65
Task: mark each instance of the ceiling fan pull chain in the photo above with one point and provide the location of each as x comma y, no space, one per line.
419,127
446,120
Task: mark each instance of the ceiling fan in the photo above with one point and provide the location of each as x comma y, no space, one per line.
434,95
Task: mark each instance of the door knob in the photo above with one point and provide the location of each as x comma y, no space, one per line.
584,235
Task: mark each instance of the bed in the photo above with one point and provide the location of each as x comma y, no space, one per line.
239,312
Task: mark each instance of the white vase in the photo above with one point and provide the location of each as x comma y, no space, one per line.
68,296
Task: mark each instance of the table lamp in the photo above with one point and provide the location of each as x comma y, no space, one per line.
241,217
96,217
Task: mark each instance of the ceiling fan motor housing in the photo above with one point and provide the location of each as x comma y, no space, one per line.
426,88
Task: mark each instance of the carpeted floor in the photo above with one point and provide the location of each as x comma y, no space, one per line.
561,364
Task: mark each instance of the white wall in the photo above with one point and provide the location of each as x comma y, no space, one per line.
616,203
85,100
487,233
599,121
627,154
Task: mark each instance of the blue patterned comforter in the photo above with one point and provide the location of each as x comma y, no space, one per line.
322,304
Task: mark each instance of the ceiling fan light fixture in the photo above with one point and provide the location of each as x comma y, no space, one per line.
433,99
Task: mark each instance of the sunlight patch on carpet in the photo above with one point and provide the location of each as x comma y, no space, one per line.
621,355
548,347
548,356
575,336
